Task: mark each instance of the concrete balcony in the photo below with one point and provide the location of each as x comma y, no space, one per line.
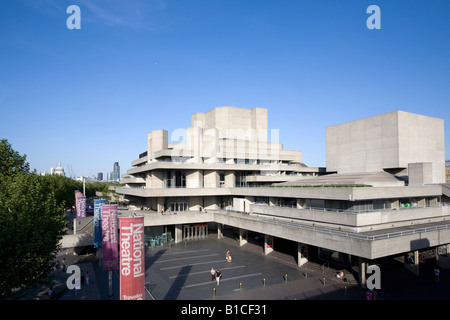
356,221
139,161
172,192
131,180
221,166
329,193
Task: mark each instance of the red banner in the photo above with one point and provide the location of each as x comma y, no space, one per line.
132,258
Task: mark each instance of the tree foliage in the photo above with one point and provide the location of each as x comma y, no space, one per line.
31,223
32,219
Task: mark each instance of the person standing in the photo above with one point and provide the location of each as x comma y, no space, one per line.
213,274
86,278
218,276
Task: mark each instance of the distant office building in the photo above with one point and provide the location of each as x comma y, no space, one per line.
116,168
100,176
115,175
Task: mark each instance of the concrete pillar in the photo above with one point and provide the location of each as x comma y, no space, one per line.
219,231
395,204
194,179
178,233
302,253
362,271
268,244
272,201
160,205
414,268
242,237
230,179
74,225
211,179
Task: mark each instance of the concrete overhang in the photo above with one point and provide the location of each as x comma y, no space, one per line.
370,245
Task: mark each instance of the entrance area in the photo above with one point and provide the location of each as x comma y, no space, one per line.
197,231
158,235
178,204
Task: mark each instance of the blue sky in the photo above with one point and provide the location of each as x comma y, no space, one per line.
87,98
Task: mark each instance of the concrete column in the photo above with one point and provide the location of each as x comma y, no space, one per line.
414,268
160,205
362,271
243,234
395,204
211,179
272,201
219,231
194,179
302,253
230,179
268,244
178,233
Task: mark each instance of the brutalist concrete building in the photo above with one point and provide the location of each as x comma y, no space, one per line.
381,195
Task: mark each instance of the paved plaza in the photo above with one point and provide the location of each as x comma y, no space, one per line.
182,272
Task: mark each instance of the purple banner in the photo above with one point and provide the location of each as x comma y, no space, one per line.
110,254
81,206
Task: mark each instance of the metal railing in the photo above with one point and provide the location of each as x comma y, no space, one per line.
353,211
347,234
85,225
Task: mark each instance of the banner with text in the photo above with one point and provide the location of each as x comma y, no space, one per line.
81,205
109,237
98,222
132,258
77,193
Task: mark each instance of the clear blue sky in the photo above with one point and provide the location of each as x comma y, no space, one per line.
87,98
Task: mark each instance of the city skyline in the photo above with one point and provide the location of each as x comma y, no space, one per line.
88,97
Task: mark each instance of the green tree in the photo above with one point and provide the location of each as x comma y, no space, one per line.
31,224
11,162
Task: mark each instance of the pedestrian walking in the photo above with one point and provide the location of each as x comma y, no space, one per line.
437,272
86,278
218,276
77,286
82,276
228,256
213,274
64,264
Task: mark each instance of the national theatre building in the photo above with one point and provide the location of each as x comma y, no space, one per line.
382,193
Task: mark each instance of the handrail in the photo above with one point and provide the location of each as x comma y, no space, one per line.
348,234
348,210
87,223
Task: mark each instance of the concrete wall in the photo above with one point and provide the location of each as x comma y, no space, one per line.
387,141
420,173
360,222
156,140
233,122
421,139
